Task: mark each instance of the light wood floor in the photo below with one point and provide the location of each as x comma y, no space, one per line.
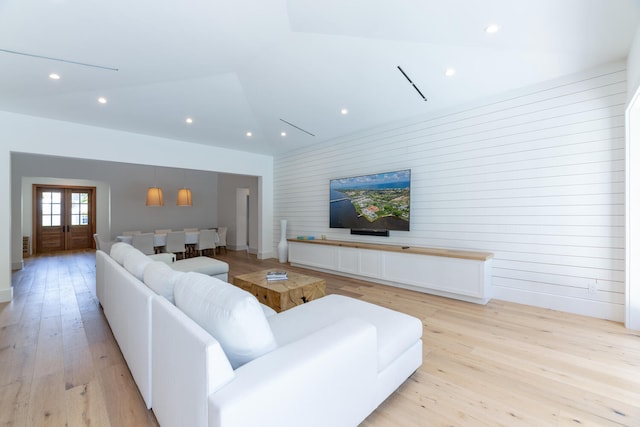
499,364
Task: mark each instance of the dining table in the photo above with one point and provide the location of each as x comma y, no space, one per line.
160,239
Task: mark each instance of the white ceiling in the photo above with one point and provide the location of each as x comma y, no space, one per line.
235,66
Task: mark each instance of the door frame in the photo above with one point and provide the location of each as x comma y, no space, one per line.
34,210
632,205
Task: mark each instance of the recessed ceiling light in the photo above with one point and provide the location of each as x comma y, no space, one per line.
283,134
102,100
449,72
189,120
492,29
344,111
54,76
249,134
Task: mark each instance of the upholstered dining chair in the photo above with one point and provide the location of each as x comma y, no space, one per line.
206,241
102,245
222,238
191,247
162,231
176,243
143,242
131,233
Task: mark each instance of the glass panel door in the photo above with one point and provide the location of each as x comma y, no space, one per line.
64,218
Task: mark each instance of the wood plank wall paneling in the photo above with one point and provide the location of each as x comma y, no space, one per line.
536,177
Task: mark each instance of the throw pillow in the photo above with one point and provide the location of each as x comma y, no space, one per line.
231,315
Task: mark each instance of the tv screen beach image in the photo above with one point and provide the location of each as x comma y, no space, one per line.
378,201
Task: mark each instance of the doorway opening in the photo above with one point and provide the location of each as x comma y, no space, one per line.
241,238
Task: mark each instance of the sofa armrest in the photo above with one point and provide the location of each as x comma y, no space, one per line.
324,379
126,304
188,364
101,257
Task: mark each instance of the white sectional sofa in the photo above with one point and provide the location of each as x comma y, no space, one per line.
205,353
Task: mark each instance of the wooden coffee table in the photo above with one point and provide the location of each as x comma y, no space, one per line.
282,294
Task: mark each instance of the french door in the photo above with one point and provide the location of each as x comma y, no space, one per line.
64,218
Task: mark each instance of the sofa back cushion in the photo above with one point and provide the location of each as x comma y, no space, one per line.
232,316
135,262
161,278
118,250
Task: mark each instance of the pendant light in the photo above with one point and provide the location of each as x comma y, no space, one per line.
154,194
154,197
184,194
184,197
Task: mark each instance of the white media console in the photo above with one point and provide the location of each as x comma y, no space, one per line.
464,275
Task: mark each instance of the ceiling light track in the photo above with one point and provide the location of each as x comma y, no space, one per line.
424,98
297,127
84,64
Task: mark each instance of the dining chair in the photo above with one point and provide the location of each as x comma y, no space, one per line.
206,240
131,233
144,243
175,243
159,249
222,238
102,245
190,247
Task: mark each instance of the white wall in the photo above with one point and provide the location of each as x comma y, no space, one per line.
633,66
535,176
121,191
26,134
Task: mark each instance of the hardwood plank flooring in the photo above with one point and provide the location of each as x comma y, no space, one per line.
500,364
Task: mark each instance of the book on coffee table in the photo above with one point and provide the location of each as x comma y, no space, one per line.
277,275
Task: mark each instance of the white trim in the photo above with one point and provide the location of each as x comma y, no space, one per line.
6,295
582,307
632,283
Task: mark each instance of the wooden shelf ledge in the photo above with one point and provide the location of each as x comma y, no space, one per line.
450,253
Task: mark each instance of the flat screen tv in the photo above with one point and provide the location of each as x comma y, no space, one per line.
378,201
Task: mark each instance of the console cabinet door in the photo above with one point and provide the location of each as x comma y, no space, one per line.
457,276
320,256
369,262
348,260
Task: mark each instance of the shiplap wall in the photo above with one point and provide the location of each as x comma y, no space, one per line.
535,176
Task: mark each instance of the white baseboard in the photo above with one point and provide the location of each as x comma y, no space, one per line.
243,248
266,255
599,309
6,295
18,265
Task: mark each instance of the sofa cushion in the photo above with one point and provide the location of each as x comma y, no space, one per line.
268,311
135,262
232,316
201,264
166,257
118,250
396,331
161,278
